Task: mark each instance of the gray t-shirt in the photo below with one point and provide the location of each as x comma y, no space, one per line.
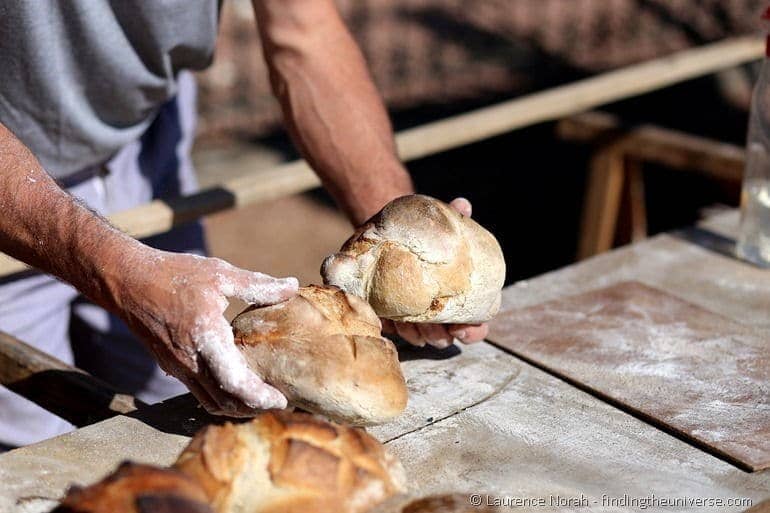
79,79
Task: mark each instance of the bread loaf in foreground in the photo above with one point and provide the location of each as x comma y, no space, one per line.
419,260
135,488
323,350
283,462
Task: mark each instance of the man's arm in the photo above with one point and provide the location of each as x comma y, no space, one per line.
173,301
331,107
338,121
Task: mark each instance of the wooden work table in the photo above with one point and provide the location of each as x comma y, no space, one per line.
483,421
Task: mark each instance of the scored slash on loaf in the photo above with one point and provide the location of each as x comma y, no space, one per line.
323,349
419,260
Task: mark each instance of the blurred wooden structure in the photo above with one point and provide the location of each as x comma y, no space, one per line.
615,170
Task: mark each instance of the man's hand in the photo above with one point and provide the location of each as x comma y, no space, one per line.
439,335
175,302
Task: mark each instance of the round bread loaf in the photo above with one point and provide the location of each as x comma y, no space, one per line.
419,260
135,488
283,462
323,350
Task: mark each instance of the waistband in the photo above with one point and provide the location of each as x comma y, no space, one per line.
83,175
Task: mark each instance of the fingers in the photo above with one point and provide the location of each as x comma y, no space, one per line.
210,394
202,395
214,342
420,334
462,205
439,336
409,332
261,289
435,335
207,392
469,333
215,400
255,288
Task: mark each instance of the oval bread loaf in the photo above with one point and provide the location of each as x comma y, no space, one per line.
283,462
419,260
323,350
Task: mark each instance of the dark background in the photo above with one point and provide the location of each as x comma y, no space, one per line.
435,58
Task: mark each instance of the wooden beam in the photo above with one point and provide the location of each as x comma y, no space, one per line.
159,216
66,391
637,208
603,196
654,144
578,96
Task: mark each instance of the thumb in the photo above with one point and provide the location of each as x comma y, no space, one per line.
462,205
216,346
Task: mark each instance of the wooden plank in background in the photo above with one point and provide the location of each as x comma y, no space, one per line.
674,364
66,391
658,145
579,96
602,202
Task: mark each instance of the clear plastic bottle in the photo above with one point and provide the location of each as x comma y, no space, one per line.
754,237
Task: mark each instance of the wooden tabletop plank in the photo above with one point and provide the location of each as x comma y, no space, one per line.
670,263
683,368
539,437
532,435
443,382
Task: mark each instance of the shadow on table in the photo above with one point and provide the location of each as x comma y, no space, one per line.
707,239
407,352
180,415
83,399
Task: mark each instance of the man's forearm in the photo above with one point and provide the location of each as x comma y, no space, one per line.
173,302
332,109
44,226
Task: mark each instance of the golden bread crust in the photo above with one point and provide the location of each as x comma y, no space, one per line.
294,463
323,350
419,260
135,488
